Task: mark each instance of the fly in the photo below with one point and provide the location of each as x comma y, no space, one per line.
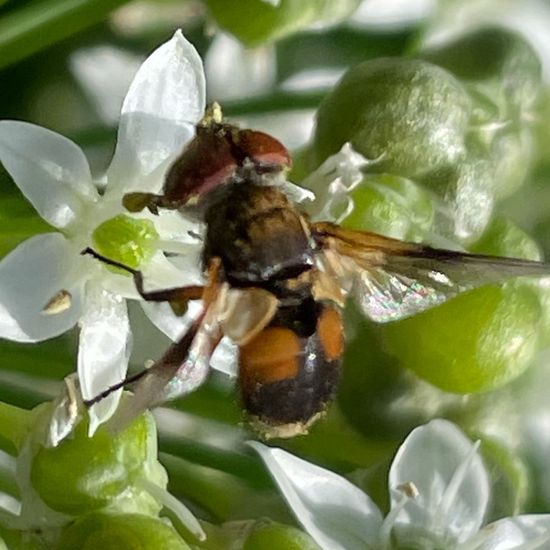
276,282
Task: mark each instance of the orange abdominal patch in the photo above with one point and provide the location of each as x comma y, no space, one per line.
272,355
331,333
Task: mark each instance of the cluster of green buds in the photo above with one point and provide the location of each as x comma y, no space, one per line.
446,134
105,491
109,491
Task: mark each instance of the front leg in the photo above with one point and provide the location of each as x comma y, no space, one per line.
177,297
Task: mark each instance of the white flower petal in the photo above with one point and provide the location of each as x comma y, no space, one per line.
103,351
521,532
65,413
51,171
451,480
332,182
163,317
118,283
184,515
172,225
296,193
337,514
163,273
165,100
30,276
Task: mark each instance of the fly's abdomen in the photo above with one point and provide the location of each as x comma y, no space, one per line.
287,380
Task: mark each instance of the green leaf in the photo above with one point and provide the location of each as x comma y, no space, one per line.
259,21
40,24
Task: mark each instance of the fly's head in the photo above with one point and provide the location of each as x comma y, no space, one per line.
220,153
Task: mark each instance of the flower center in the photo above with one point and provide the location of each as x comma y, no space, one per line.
129,241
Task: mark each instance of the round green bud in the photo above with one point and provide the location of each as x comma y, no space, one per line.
116,532
407,113
260,21
478,341
512,154
504,238
276,536
481,339
499,57
468,197
84,474
129,241
391,205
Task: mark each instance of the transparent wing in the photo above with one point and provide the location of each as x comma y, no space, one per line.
392,279
181,370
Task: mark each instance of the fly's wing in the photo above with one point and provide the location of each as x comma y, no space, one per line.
237,313
392,279
182,369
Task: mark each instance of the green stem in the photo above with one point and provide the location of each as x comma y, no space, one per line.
42,23
223,496
239,465
278,101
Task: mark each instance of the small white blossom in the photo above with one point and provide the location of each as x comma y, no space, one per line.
439,491
46,285
334,180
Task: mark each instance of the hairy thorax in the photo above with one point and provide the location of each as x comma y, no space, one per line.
258,235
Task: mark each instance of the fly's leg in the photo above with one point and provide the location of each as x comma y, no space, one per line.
177,297
177,353
200,339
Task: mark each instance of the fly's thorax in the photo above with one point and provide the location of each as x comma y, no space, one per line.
257,233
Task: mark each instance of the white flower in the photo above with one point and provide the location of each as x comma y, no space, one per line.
165,100
439,490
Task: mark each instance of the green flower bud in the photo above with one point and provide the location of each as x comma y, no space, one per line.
276,536
512,155
259,21
129,241
498,57
392,206
117,532
476,342
468,198
409,114
84,474
481,339
504,238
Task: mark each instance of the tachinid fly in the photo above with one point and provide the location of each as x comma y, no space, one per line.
276,283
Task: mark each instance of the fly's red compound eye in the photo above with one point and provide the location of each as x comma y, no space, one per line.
263,150
205,163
